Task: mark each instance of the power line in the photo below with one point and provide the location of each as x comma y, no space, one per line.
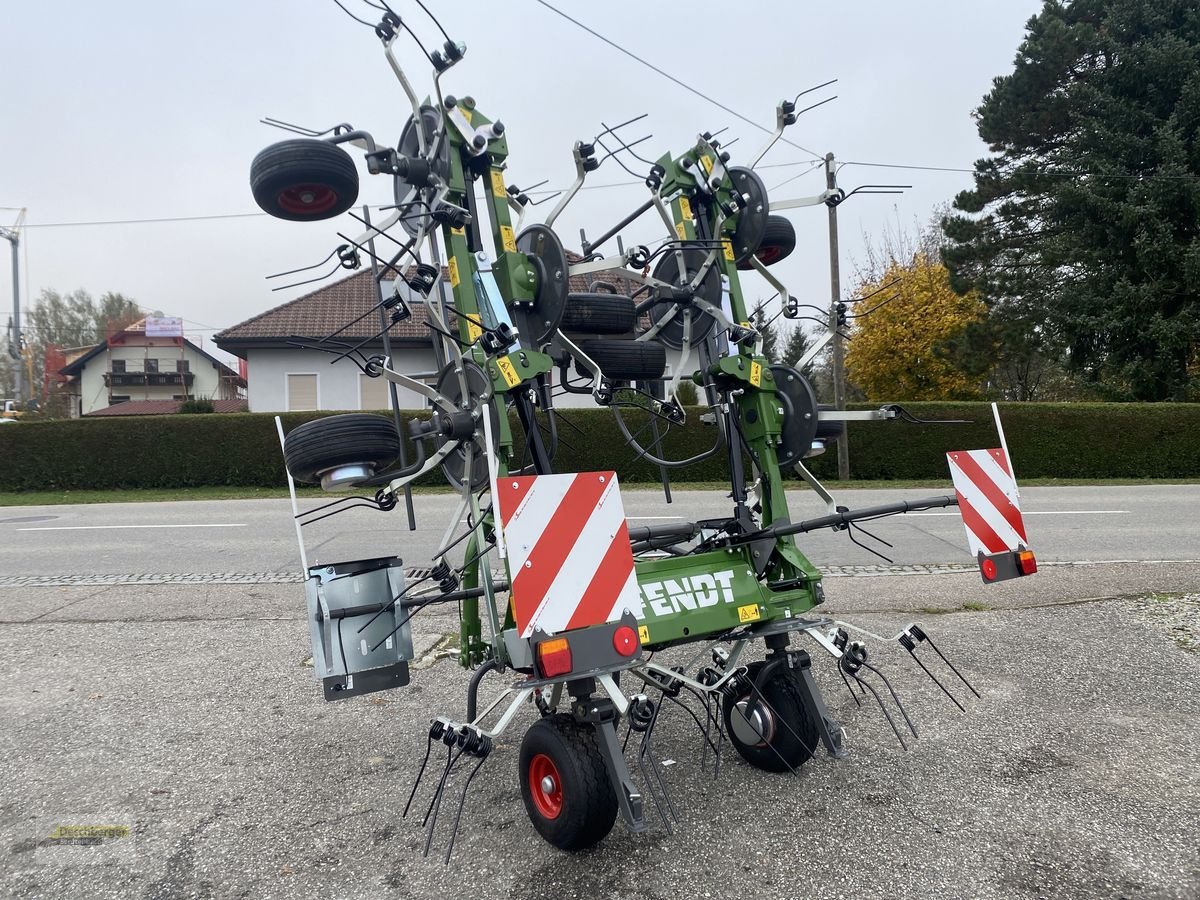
672,78
143,221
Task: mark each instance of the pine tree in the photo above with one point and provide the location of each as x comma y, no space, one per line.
1082,232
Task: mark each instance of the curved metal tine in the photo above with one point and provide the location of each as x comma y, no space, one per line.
895,696
355,356
613,130
446,543
883,709
646,752
342,510
961,678
385,263
420,775
624,146
461,802
436,806
441,783
853,696
934,679
299,129
708,721
329,274
332,253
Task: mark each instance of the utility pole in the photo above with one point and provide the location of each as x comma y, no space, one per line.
835,286
14,349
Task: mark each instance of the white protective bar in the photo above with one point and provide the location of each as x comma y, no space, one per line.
295,510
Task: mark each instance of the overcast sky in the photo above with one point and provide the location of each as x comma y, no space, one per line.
133,110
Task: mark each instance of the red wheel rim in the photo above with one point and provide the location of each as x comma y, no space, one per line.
768,255
307,198
545,786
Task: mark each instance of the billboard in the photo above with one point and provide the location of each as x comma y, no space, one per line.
164,326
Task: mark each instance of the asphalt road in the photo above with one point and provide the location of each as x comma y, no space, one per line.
188,714
1065,525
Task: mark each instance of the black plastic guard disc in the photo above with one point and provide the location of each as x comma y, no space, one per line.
709,290
455,463
752,220
799,402
417,200
545,251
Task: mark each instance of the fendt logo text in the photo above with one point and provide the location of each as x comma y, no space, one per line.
662,598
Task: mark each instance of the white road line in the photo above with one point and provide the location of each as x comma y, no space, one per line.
107,527
1056,512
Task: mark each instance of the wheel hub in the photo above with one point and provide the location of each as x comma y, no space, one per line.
755,729
545,786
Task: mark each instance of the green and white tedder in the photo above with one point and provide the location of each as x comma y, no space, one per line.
557,593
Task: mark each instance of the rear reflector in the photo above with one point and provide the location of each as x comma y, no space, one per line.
625,641
554,657
988,568
1026,562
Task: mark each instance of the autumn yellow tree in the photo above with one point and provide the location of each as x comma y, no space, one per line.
897,337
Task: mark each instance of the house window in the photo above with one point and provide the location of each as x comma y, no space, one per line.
301,392
118,366
116,398
181,365
373,393
151,365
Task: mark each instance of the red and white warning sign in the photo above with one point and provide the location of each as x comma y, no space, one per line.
569,558
989,503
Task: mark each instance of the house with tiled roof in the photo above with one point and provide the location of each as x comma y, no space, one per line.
154,365
286,371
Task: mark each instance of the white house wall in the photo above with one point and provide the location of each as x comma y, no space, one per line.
337,385
206,382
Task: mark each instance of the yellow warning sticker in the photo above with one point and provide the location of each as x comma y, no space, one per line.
681,231
727,244
498,183
756,374
643,634
707,163
508,371
685,208
507,238
467,113
749,613
473,330
453,267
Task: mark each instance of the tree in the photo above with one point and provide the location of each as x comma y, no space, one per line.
1085,224
898,343
768,330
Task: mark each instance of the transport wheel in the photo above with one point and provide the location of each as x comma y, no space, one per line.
598,313
565,785
779,735
627,360
779,240
341,450
304,180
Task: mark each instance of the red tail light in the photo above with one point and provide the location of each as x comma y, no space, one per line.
988,568
554,657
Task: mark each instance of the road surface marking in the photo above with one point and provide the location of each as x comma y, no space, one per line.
106,527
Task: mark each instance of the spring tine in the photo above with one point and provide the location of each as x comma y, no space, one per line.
420,775
437,808
461,801
929,641
707,715
853,696
651,776
883,709
442,781
934,679
648,749
895,696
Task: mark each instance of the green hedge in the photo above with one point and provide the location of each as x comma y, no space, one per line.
1075,440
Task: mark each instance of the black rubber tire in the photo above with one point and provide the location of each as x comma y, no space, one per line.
780,750
627,360
779,240
587,802
324,444
598,314
304,180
